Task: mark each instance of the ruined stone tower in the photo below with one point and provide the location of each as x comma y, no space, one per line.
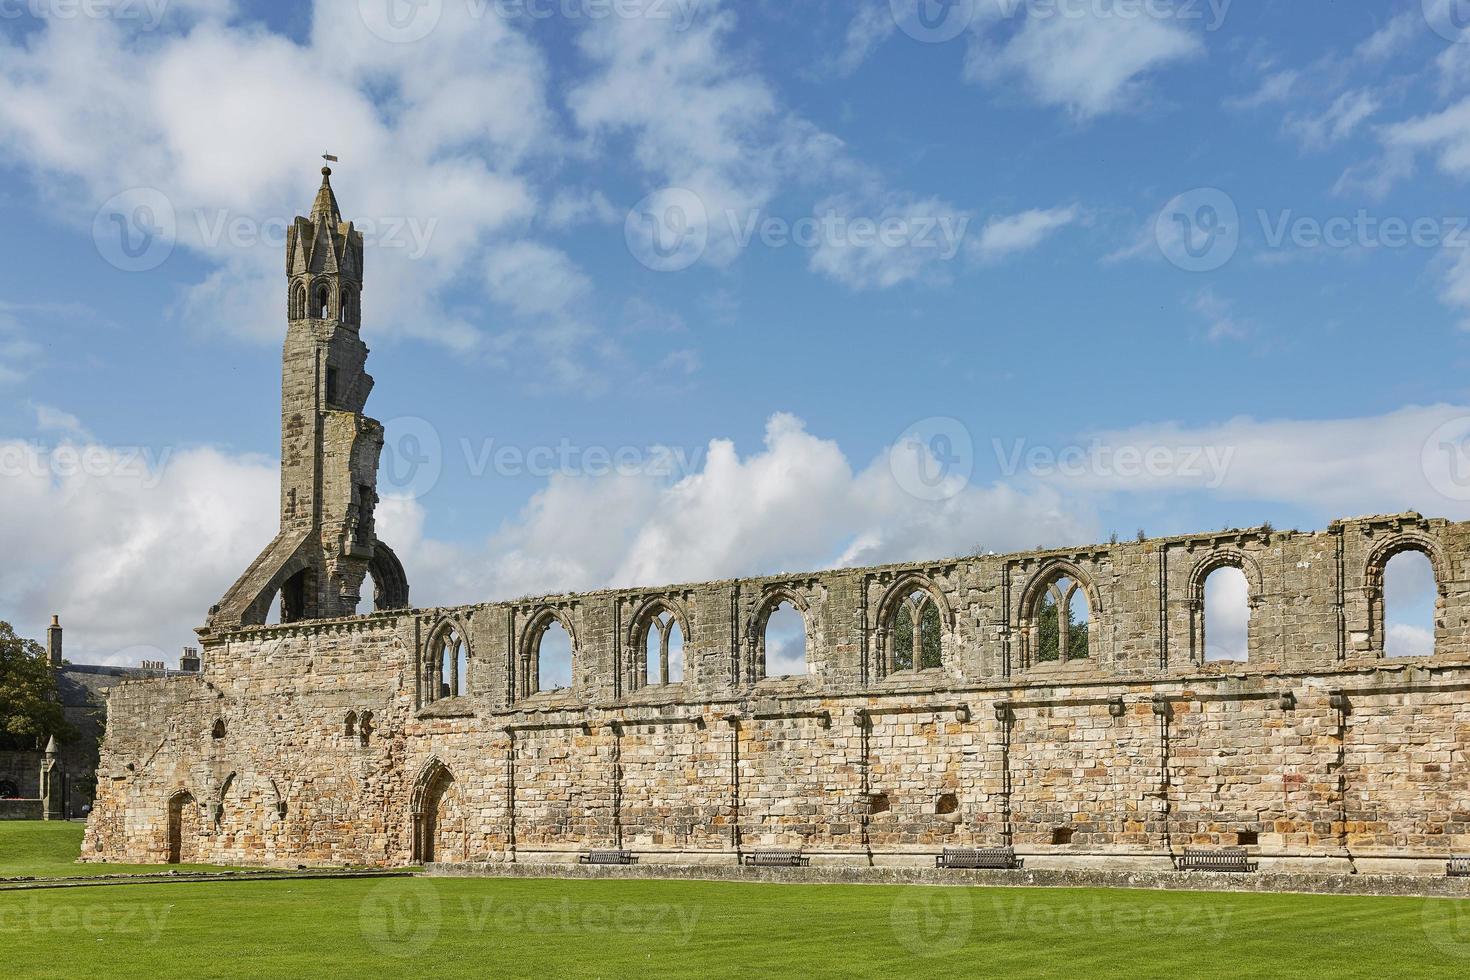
327,544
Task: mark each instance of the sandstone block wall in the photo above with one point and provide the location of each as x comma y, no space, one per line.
335,742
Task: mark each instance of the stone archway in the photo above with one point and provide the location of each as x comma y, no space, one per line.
183,829
441,818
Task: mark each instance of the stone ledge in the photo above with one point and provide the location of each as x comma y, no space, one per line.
1405,886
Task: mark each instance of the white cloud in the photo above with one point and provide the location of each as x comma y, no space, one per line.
52,419
797,503
1227,615
1219,313
1454,292
1276,87
130,549
1444,134
1332,467
1347,112
1409,641
133,554
1022,232
873,24
1090,64
535,279
879,240
91,109
1393,38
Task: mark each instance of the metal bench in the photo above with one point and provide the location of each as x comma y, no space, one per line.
1458,866
984,858
776,859
1229,859
608,857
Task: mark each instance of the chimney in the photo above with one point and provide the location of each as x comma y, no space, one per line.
189,660
53,641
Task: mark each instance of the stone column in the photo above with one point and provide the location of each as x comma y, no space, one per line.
53,805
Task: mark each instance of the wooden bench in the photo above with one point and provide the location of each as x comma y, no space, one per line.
984,858
1458,866
608,857
776,859
1228,859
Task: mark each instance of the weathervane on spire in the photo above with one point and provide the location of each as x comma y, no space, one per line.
330,159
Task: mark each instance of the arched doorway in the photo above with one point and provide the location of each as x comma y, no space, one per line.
442,823
183,828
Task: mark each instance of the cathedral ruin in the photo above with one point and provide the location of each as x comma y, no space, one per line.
950,703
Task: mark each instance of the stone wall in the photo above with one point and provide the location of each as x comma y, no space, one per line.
1318,750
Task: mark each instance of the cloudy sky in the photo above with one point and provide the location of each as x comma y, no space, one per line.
672,289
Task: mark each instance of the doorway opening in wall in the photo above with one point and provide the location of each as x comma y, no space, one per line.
180,825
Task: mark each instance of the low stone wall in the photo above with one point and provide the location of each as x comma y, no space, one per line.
21,810
1408,886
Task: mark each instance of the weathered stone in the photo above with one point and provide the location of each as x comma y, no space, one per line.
408,735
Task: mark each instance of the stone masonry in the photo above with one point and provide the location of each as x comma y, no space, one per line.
410,735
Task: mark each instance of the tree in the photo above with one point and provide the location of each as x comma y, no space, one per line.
30,711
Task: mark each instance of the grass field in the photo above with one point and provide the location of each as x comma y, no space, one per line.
486,927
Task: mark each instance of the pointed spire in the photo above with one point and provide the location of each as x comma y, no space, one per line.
326,201
51,746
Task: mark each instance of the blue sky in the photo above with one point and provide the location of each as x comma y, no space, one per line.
1034,164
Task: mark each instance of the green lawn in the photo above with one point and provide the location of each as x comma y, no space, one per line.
544,928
